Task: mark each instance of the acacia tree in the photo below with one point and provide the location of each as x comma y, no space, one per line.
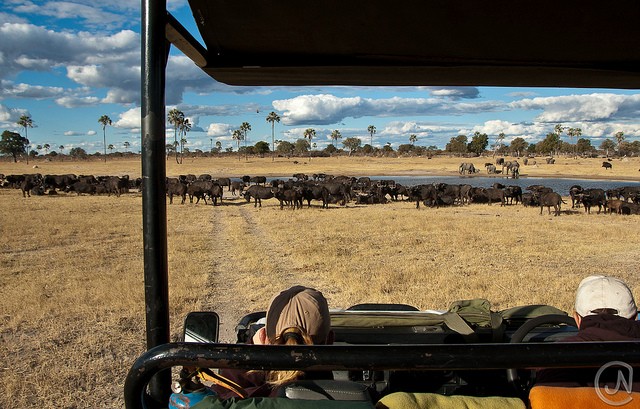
104,121
309,133
607,145
519,146
273,118
478,144
14,144
457,144
550,144
26,122
371,129
352,144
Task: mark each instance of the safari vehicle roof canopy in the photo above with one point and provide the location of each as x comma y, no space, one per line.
569,43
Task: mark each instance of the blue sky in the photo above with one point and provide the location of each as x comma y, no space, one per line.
66,63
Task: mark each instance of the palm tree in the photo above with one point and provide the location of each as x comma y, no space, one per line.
335,135
413,138
218,146
176,118
244,128
111,147
273,118
499,141
46,147
371,129
104,120
309,133
126,146
185,127
237,136
559,129
574,132
26,122
619,138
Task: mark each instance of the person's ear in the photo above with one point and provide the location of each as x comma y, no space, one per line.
578,318
260,337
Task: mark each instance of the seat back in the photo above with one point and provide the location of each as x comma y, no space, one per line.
555,397
404,400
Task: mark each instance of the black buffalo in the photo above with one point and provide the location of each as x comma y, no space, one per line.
426,194
81,187
314,192
629,192
289,197
398,190
551,199
236,186
176,188
512,192
258,193
592,197
495,195
258,180
606,165
216,193
574,193
116,185
629,208
54,182
224,182
200,189
340,191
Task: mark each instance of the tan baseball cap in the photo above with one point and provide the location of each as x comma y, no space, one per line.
596,292
301,307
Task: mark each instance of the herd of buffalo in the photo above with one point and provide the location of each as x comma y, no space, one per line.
328,189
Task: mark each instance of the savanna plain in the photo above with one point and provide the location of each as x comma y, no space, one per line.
71,267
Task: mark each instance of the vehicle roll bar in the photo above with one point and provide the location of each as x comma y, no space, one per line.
371,357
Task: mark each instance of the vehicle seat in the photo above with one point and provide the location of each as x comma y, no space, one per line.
404,400
326,390
555,397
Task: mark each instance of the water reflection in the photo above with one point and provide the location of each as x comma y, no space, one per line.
559,185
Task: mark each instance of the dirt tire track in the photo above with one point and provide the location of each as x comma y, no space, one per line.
236,232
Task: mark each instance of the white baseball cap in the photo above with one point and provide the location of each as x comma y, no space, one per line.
596,292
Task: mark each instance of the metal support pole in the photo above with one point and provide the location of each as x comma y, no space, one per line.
154,220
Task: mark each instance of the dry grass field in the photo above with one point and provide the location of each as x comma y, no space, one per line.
71,287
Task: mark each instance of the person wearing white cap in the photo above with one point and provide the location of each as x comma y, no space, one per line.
605,310
601,296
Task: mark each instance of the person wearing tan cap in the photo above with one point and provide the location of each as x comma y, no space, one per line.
296,316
